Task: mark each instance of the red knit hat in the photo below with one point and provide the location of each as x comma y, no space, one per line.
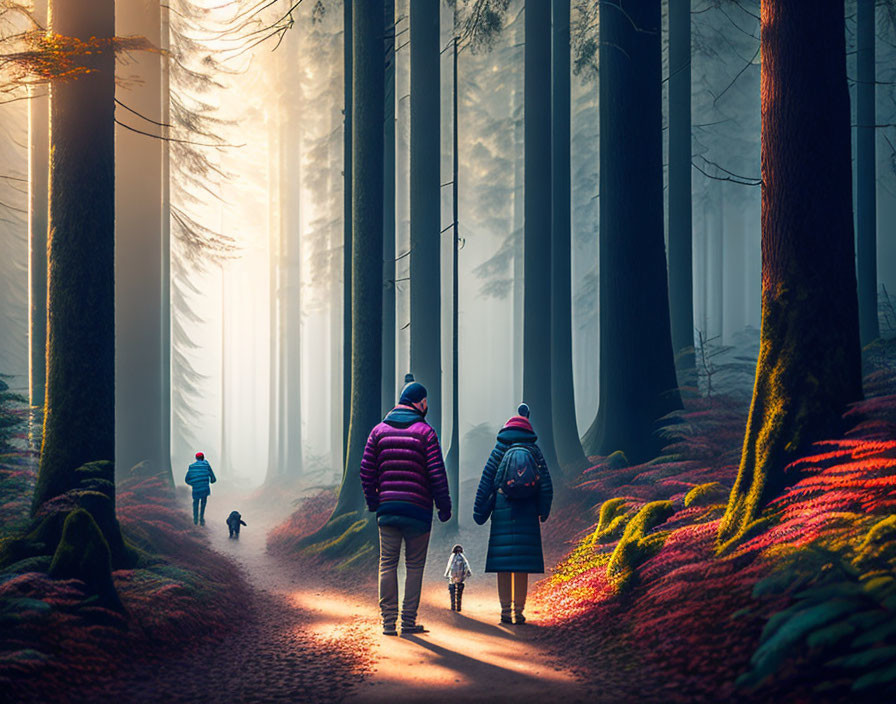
200,456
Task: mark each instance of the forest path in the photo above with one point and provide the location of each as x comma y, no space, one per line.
272,655
294,613
466,655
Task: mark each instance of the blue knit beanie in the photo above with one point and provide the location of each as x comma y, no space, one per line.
413,391
523,410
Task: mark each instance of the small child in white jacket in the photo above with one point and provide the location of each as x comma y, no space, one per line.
456,572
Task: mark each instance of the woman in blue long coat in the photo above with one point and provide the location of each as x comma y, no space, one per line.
514,543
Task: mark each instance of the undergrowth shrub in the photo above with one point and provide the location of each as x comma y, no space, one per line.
310,514
841,621
54,635
706,495
637,543
803,610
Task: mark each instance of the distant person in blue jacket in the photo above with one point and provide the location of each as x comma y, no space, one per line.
200,476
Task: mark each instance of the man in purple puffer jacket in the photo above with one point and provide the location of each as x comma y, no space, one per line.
402,473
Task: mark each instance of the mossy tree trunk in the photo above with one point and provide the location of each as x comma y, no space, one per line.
637,372
366,281
681,278
537,383
79,414
809,363
566,433
426,288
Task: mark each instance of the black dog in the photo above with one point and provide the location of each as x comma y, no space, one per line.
234,521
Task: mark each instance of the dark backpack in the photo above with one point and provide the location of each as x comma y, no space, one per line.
518,474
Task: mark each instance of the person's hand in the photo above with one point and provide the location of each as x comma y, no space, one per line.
444,516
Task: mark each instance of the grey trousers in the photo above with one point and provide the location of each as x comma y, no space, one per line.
415,547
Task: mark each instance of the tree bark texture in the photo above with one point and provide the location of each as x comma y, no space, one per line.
425,196
809,363
79,413
537,383
866,172
637,373
681,278
566,434
367,242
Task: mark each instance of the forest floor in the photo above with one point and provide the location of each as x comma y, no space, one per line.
275,653
314,637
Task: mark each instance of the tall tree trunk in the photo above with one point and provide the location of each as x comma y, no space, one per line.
39,169
637,372
809,364
426,326
452,459
223,463
139,252
389,386
79,414
367,246
291,229
717,265
866,173
275,291
681,278
166,340
518,284
290,180
537,216
733,318
348,44
566,433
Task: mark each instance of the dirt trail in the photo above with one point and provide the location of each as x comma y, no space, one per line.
302,641
467,655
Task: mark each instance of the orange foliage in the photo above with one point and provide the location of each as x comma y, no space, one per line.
40,56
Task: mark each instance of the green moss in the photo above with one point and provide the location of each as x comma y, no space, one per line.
40,563
101,507
612,517
83,554
356,543
616,460
636,546
751,530
610,509
41,539
805,376
705,495
878,547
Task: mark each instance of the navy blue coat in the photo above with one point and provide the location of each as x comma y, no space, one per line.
514,543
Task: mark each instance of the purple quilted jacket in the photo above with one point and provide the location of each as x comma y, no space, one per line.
402,462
